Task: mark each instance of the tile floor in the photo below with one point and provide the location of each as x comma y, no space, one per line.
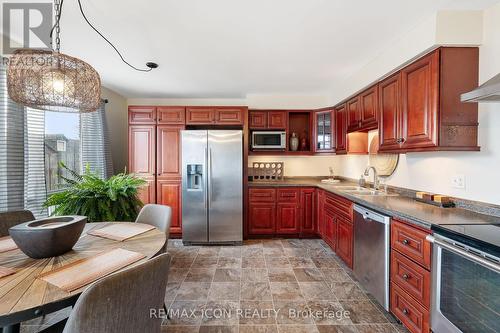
264,286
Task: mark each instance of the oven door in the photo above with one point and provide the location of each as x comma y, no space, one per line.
465,289
268,140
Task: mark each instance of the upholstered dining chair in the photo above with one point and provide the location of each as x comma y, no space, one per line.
12,218
121,302
159,216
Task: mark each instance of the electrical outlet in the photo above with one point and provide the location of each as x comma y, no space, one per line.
458,181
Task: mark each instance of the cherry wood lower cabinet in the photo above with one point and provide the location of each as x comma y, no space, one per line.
262,218
410,276
147,193
345,240
413,315
169,193
335,222
320,213
287,218
308,202
282,211
330,232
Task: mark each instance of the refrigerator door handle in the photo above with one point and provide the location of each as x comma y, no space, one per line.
210,184
206,171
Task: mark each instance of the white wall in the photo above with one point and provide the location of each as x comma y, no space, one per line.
116,118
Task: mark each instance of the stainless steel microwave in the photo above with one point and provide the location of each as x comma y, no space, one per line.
268,140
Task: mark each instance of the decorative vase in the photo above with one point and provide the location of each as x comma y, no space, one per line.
294,142
48,237
303,141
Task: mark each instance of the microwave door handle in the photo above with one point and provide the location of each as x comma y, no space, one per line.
472,257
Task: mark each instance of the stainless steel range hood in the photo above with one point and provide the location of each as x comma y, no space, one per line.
487,92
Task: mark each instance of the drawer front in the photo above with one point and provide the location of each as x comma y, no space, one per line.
411,242
288,195
406,309
412,278
262,195
339,205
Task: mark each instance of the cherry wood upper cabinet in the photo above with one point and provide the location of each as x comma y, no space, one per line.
267,119
142,115
229,116
170,194
258,119
419,96
276,119
368,103
389,107
141,149
200,115
169,151
341,129
353,115
324,131
171,114
420,108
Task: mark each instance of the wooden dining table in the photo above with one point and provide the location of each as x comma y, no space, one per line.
24,296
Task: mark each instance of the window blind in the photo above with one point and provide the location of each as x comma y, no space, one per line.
95,144
22,177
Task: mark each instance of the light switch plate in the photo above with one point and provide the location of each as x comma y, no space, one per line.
458,181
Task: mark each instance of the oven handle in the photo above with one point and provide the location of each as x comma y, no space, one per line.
475,258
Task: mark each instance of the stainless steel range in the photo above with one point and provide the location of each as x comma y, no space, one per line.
465,278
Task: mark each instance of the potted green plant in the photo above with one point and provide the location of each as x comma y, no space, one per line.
112,199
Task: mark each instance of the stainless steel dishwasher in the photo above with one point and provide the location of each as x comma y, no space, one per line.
371,252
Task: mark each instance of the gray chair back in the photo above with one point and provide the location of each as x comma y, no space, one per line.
12,218
159,216
123,302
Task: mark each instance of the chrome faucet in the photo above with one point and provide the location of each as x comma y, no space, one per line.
375,176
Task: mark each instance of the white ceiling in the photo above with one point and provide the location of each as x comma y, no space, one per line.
230,48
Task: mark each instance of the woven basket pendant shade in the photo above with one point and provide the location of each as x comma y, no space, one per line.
53,81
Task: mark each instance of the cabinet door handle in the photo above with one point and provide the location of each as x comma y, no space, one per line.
406,277
406,312
405,241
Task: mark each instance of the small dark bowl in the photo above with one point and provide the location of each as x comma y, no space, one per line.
49,237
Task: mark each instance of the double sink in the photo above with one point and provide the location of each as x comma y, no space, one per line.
362,191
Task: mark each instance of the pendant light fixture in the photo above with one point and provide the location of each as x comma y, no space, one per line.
53,81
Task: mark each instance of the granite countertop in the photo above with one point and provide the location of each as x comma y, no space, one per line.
408,209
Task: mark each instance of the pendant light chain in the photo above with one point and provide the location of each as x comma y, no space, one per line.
57,7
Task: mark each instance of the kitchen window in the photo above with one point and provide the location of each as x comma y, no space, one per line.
62,144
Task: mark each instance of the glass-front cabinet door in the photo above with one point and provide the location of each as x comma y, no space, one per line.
324,131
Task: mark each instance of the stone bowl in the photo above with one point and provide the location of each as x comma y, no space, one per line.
49,237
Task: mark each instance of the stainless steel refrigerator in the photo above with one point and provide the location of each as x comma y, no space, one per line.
212,186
